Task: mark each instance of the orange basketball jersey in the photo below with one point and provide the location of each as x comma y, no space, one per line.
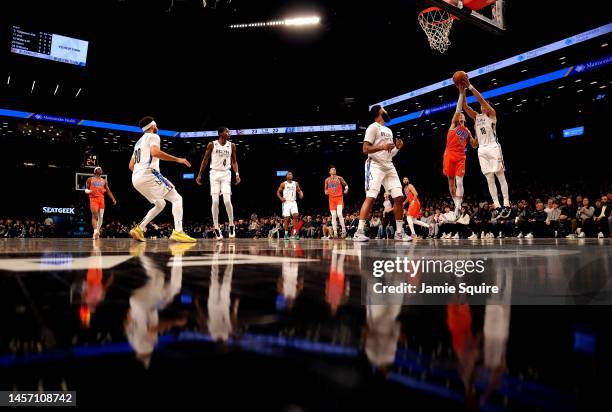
334,187
97,187
456,139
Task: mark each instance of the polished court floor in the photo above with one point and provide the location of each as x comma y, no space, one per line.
295,326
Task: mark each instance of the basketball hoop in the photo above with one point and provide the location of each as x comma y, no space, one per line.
437,24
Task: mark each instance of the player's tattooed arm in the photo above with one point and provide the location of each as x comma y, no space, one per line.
344,184
473,140
298,189
325,191
209,149
234,163
87,184
457,114
110,194
279,192
470,112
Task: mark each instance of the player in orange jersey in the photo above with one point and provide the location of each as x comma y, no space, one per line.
96,186
412,206
335,187
454,155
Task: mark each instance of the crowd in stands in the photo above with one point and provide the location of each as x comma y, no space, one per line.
546,217
26,228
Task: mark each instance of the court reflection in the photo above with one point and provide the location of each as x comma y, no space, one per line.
142,324
222,316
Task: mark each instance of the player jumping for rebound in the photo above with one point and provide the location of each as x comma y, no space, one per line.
489,150
378,144
287,194
454,155
414,206
147,179
222,155
335,187
96,187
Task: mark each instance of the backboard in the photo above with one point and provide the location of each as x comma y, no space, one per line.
486,14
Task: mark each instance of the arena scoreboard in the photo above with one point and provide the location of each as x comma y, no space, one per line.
49,46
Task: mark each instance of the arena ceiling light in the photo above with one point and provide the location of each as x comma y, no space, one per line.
291,22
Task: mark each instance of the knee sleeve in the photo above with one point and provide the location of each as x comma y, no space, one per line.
459,186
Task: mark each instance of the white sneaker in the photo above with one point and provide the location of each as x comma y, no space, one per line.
232,232
581,235
571,236
482,235
473,236
218,234
501,235
600,235
360,237
520,235
444,236
456,236
403,236
529,235
96,234
490,235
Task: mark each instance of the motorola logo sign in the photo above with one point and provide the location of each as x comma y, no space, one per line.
58,210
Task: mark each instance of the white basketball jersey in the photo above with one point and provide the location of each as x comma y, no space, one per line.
485,130
142,153
221,157
289,191
376,135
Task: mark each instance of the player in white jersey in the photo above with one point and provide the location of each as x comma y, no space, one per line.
378,144
489,150
222,155
287,192
148,180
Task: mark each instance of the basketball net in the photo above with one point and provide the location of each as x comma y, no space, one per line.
437,24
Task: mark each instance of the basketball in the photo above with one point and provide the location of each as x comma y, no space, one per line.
460,77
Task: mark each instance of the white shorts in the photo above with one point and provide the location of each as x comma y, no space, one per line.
220,182
377,175
290,208
491,159
151,184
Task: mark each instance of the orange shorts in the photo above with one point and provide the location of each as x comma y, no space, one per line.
96,203
334,202
453,164
414,209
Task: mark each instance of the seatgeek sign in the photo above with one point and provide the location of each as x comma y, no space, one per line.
58,210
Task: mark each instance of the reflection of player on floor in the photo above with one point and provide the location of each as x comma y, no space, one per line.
413,205
489,150
378,144
287,194
333,188
148,180
454,155
96,187
221,153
